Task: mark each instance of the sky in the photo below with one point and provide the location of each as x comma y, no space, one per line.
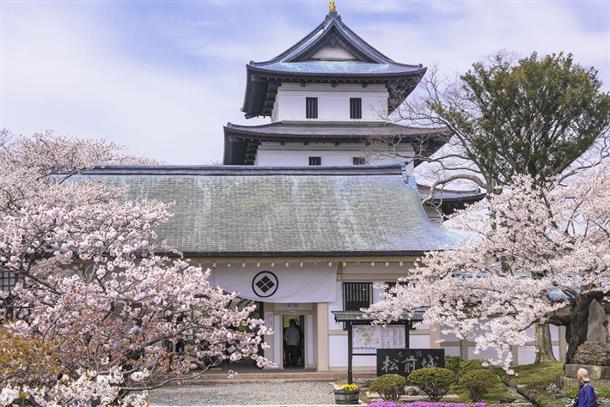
162,77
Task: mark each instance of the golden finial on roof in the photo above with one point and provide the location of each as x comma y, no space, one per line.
331,6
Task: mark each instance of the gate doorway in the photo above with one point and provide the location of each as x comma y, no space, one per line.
294,341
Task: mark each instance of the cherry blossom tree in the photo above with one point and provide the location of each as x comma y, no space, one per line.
110,318
537,253
539,115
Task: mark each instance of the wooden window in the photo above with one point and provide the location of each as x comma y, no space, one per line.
355,108
8,279
311,108
315,160
357,295
359,160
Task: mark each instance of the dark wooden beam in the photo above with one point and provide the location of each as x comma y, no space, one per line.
349,353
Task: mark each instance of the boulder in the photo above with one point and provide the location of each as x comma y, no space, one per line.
593,353
595,372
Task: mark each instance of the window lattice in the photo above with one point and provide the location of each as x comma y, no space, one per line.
8,279
357,295
311,108
355,108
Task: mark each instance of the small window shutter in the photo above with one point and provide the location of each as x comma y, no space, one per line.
359,160
355,108
315,160
311,108
357,295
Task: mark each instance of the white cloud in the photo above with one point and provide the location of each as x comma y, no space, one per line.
481,29
372,6
57,76
65,67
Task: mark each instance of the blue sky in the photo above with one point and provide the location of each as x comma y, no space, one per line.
162,77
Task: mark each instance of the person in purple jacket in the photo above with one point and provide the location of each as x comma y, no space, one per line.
586,393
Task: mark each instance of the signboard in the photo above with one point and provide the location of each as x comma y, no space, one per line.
368,338
404,361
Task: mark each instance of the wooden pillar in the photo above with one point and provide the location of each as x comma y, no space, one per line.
322,336
349,353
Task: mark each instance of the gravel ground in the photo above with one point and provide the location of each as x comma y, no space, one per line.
265,393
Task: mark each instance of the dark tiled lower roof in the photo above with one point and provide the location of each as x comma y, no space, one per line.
229,211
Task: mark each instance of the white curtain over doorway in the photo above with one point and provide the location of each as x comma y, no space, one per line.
282,285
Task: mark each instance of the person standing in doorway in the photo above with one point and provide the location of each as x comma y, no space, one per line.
292,339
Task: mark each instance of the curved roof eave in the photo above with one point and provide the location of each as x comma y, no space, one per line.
412,70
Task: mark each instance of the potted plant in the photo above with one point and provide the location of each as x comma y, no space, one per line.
347,394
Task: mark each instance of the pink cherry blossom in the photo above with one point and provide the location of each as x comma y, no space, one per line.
121,319
533,255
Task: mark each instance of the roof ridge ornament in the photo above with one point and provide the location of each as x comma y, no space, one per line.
332,8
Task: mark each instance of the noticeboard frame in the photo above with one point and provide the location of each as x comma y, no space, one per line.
351,318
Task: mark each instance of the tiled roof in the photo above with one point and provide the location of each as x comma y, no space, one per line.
241,142
297,64
333,130
369,60
227,211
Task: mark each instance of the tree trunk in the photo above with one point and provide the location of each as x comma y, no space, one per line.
576,328
544,344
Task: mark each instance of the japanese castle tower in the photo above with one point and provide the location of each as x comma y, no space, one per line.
300,220
327,96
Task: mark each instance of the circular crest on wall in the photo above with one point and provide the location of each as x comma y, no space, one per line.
265,284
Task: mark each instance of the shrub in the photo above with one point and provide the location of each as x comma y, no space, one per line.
477,382
421,404
602,392
453,363
460,366
433,381
389,386
469,365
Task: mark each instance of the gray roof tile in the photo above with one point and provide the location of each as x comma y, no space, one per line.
226,211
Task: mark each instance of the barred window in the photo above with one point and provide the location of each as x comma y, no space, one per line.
359,160
8,279
311,108
315,160
355,108
357,295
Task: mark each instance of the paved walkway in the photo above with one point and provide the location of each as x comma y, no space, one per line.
272,393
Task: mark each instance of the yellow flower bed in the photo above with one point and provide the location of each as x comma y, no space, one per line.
351,388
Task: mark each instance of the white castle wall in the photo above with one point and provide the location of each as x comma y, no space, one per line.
297,154
333,102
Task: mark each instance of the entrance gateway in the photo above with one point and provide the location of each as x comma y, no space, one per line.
293,335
